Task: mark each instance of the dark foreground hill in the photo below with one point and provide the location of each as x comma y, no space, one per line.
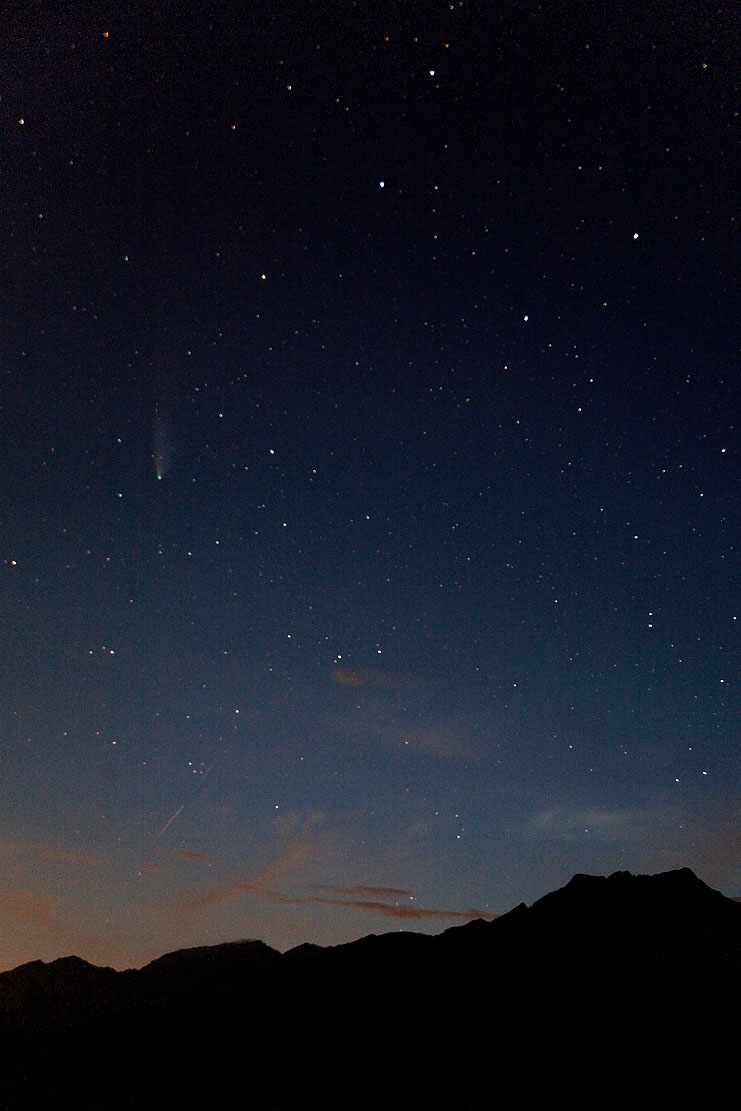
618,992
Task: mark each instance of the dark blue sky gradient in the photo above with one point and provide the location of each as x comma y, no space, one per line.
428,312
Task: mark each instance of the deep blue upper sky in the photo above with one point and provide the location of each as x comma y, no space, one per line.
370,494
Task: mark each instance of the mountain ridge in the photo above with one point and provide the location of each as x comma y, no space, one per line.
635,978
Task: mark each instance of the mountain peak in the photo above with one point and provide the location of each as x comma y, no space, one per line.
672,908
684,876
207,958
680,882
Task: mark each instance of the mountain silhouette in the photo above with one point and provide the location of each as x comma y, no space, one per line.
616,992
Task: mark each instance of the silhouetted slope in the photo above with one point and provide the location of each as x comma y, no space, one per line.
611,992
37,994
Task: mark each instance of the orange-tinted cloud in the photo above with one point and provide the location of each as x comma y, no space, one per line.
347,678
194,858
26,906
197,901
62,856
371,677
265,884
388,910
194,902
359,889
292,858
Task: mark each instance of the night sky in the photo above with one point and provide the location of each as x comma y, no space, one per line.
368,402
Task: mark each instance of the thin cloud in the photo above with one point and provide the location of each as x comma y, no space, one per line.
371,677
442,741
195,902
567,823
359,889
194,858
292,858
28,907
387,910
36,925
199,901
286,870
62,856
